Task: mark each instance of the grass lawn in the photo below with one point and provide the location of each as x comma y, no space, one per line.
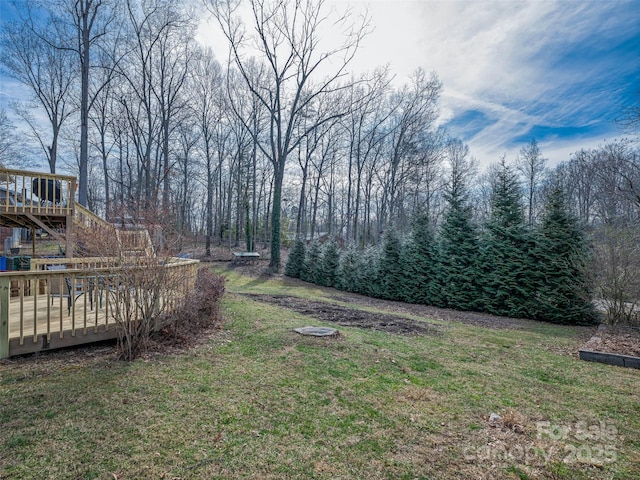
260,401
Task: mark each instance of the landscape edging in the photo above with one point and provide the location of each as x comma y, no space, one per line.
616,359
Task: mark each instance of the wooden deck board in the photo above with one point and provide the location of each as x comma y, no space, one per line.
51,318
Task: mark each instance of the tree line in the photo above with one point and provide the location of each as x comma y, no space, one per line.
502,266
149,118
522,240
274,139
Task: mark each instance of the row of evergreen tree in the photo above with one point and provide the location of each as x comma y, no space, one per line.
504,268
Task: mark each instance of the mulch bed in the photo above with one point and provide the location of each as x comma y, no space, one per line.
622,340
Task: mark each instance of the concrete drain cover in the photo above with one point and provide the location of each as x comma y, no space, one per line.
316,331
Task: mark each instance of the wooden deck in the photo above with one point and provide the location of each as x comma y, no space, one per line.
34,308
38,323
33,199
35,317
39,201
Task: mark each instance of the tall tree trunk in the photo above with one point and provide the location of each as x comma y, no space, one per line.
300,228
278,176
83,177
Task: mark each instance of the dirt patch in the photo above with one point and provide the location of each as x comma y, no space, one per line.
471,318
621,340
485,320
428,312
349,317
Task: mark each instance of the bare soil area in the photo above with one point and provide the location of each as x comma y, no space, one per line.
619,340
349,317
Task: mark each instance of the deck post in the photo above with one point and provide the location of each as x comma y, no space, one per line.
5,293
69,227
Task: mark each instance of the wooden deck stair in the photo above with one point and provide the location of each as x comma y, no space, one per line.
133,240
46,201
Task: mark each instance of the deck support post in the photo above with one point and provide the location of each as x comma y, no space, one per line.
69,231
5,293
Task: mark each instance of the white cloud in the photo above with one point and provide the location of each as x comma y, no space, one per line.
504,59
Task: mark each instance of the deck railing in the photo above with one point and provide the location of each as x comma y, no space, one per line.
80,303
85,217
78,263
36,193
135,242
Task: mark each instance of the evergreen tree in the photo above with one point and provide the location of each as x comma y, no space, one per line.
507,271
420,262
310,271
328,266
367,274
459,268
458,246
347,278
564,293
390,269
295,262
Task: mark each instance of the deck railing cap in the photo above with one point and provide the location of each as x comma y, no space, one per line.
28,173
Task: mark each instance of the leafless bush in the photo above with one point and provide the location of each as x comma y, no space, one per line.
617,272
144,286
142,295
200,311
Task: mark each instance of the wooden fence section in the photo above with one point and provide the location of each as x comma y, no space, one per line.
72,306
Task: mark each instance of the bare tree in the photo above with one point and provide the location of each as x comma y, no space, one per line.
531,164
207,82
48,72
414,112
103,115
9,142
461,168
577,177
150,97
86,22
248,121
171,67
366,131
613,194
630,118
287,36
427,177
311,154
188,138
322,158
630,182
617,271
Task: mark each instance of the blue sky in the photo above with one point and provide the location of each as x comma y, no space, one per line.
560,71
